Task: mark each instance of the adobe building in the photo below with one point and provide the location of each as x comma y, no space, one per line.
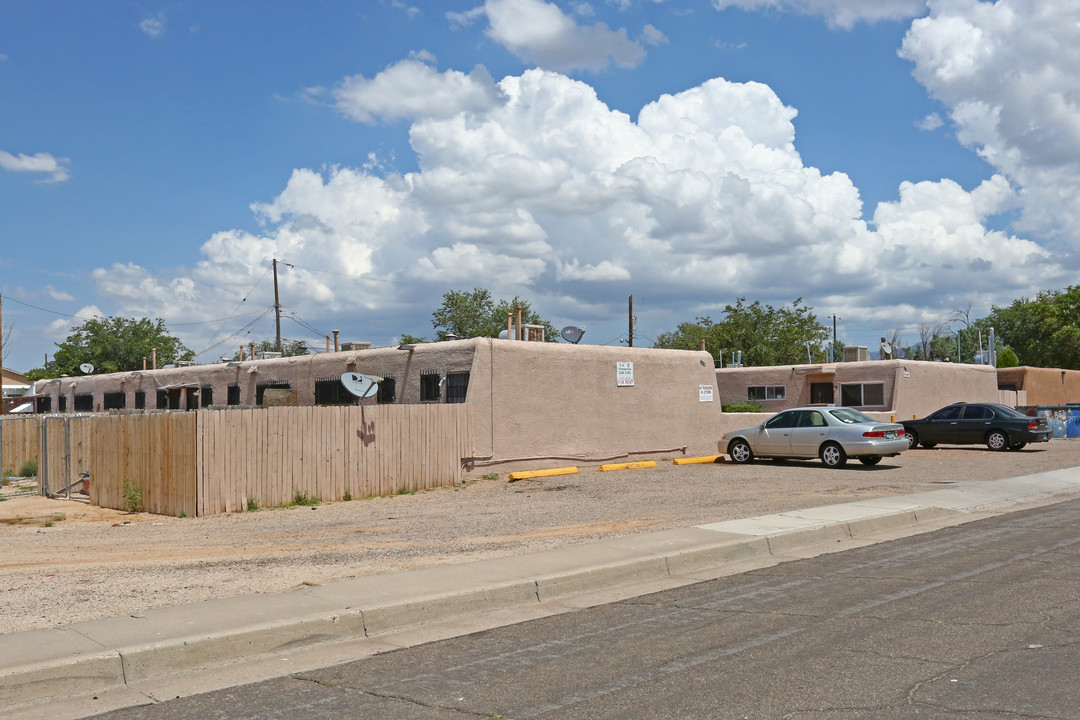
536,404
1043,387
903,388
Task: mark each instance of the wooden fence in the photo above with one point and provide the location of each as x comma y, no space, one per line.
215,461
21,441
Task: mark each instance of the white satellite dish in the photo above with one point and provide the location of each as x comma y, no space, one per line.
886,348
86,368
572,334
361,386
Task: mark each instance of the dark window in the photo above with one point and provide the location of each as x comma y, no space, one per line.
261,389
44,404
457,387
84,403
114,401
811,418
232,395
948,413
429,387
206,396
140,399
63,403
191,402
783,420
978,412
330,391
765,392
162,400
862,394
387,390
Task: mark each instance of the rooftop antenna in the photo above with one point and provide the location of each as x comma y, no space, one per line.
362,386
572,334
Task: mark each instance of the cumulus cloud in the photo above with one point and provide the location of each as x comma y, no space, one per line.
930,123
39,163
1009,72
838,13
551,195
154,27
414,89
541,33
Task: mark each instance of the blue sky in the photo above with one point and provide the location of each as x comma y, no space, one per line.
888,162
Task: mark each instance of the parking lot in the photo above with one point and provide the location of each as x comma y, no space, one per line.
63,561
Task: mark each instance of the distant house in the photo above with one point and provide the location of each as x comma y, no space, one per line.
13,385
1043,387
903,388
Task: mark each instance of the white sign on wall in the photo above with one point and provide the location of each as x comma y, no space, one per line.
705,393
624,374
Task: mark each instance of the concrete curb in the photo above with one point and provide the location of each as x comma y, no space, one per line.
114,652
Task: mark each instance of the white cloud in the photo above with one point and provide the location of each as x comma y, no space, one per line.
59,295
154,26
651,36
60,328
930,123
38,163
539,32
1009,72
838,13
553,196
413,89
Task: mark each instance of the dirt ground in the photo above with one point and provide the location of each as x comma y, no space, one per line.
64,561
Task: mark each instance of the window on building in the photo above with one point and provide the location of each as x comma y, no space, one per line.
232,395
457,387
206,396
84,403
429,387
191,399
387,390
261,388
330,391
766,392
140,399
44,404
114,400
63,403
162,400
862,394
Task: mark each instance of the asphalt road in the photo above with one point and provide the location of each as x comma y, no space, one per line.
979,621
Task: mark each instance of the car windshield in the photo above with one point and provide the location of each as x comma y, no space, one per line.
849,416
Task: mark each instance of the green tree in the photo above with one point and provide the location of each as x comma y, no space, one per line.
469,314
766,335
1044,331
1007,359
114,344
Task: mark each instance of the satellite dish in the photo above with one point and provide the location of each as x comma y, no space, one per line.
86,368
572,334
886,348
361,386
503,334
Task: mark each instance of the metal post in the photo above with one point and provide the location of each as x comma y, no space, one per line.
43,465
67,455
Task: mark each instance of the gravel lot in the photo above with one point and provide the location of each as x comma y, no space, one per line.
64,561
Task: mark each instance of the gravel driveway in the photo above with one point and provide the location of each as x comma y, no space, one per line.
64,561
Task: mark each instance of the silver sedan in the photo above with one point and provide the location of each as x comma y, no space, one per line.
831,433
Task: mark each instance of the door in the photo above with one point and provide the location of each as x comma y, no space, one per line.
942,426
775,437
975,422
807,437
821,393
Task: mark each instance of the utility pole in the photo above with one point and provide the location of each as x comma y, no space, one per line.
277,308
834,331
631,344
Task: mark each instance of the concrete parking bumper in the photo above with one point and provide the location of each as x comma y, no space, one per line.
98,655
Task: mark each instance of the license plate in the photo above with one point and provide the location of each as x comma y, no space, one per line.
890,434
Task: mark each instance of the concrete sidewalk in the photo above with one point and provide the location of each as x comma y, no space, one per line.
91,667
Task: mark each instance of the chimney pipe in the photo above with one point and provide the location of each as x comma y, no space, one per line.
337,345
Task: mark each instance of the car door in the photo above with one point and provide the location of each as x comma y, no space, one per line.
808,434
942,426
775,435
974,423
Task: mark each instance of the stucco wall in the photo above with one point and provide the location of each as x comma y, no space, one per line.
1044,386
910,387
556,404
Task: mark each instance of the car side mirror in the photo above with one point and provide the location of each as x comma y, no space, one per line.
761,426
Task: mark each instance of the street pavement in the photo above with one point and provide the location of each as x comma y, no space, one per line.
97,666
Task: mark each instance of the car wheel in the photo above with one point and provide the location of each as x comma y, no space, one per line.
929,445
912,439
997,440
1018,446
739,451
832,455
870,460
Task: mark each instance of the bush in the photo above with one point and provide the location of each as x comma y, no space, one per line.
743,407
252,504
302,498
29,468
132,496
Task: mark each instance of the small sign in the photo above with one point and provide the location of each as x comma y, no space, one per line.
705,393
907,374
624,374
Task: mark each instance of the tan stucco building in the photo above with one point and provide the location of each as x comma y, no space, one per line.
903,388
535,404
1042,386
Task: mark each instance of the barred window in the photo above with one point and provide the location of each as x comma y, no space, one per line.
387,390
429,387
232,395
84,403
114,400
331,391
457,387
206,396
